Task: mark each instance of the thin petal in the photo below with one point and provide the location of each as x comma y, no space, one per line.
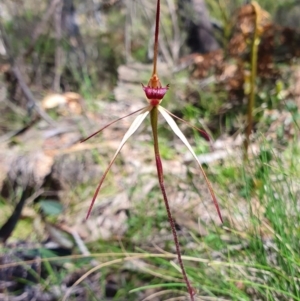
134,126
94,134
179,133
202,132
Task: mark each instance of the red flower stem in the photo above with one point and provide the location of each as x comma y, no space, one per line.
153,116
156,37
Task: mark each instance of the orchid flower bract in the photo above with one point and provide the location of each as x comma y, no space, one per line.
155,93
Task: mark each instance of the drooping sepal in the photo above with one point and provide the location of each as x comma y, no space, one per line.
181,136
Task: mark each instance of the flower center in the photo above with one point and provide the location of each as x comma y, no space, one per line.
154,91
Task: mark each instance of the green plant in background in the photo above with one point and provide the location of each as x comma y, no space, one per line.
155,94
253,72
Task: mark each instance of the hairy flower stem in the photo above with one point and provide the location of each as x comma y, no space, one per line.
153,117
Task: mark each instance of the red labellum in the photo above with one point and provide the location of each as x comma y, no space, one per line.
155,93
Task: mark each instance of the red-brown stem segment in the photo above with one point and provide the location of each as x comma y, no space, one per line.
156,37
153,117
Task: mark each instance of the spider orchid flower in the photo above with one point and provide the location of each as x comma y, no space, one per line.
155,93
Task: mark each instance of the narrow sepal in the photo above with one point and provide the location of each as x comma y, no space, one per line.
111,123
202,132
179,133
132,129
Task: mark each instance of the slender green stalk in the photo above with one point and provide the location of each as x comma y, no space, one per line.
251,102
153,117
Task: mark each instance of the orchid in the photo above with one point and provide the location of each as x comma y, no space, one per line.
155,93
